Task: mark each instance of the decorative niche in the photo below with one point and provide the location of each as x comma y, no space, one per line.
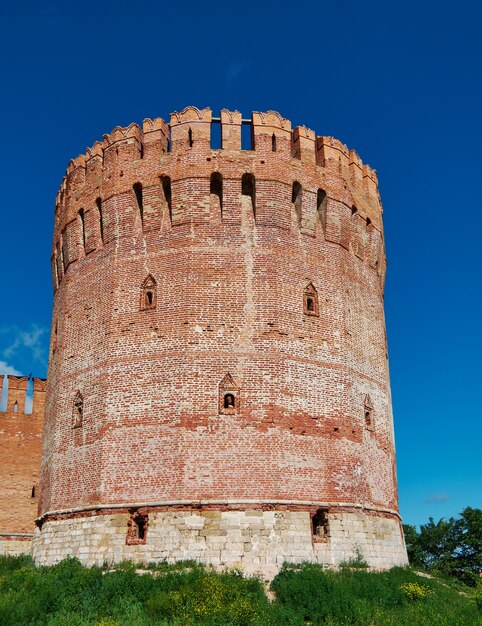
368,410
310,301
78,410
149,293
228,396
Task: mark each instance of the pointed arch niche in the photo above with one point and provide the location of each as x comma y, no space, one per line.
228,396
310,301
78,410
149,293
368,409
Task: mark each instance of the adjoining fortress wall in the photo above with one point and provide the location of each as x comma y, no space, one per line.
218,367
20,451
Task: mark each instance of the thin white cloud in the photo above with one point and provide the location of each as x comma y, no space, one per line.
437,497
6,368
33,340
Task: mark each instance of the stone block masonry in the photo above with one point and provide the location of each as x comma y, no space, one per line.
218,359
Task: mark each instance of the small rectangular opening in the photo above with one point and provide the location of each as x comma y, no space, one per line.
216,140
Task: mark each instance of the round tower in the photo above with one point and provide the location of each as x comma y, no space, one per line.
218,383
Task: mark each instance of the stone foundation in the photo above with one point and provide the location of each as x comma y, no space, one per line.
15,544
256,541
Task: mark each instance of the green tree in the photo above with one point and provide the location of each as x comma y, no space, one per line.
452,547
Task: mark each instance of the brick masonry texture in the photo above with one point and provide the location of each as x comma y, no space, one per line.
183,273
20,452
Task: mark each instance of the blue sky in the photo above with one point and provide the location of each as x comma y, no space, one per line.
399,83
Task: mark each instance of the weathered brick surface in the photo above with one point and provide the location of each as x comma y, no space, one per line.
20,452
230,276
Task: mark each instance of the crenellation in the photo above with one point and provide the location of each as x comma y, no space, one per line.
303,146
191,131
355,166
131,152
230,130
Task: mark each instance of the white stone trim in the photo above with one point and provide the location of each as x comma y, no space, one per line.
200,503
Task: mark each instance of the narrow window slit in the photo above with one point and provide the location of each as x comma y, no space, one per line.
296,199
248,188
166,191
137,187
189,137
82,227
101,219
321,202
273,143
216,187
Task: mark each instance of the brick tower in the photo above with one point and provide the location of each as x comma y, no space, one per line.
218,382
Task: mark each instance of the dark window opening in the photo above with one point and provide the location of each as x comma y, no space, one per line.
137,528
296,198
321,201
166,190
82,226
137,187
101,219
228,396
273,143
310,305
248,188
141,151
15,407
319,524
189,137
216,186
149,298
368,221
141,527
229,401
354,210
368,418
34,491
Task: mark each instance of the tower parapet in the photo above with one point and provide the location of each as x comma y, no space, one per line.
162,152
217,329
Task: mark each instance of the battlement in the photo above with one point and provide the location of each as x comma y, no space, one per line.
15,398
139,180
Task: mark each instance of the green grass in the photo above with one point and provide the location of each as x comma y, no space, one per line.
187,594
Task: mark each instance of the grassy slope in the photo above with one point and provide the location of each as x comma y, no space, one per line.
187,594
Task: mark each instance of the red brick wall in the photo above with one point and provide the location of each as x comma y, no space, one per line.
230,290
20,452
